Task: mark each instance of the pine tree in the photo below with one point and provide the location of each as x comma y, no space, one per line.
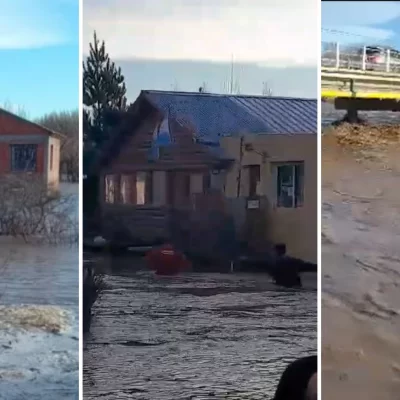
103,90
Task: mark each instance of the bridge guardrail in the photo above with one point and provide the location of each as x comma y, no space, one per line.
336,55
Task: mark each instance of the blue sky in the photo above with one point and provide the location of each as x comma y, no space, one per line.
369,22
39,52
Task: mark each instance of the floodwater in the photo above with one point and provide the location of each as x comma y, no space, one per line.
360,270
39,333
195,336
330,115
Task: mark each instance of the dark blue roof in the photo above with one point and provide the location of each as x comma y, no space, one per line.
217,115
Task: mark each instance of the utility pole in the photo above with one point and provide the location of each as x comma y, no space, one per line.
239,178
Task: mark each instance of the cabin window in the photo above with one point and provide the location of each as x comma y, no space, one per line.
186,186
207,181
51,157
126,189
196,183
290,184
110,183
144,188
24,157
254,179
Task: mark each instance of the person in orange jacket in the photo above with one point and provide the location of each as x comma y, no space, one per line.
166,260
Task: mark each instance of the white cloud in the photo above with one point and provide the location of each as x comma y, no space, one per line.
267,32
26,24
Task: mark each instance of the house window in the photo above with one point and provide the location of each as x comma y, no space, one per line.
207,181
290,184
126,188
135,189
186,186
24,157
144,188
196,183
51,157
110,183
140,188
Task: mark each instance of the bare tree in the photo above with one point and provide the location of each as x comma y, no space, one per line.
67,123
15,109
27,210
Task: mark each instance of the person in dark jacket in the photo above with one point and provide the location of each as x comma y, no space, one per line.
299,380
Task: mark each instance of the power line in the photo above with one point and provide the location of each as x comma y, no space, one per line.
344,33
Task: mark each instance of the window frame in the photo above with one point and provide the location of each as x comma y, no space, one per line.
297,188
51,156
12,161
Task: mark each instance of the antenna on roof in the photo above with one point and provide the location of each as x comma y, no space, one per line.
232,76
266,90
203,88
232,85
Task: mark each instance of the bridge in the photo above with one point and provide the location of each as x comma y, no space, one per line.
364,78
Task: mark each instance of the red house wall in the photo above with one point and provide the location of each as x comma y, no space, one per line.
13,125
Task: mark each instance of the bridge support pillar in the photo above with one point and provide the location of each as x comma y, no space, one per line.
351,116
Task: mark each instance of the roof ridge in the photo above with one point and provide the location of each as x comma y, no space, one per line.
225,95
26,120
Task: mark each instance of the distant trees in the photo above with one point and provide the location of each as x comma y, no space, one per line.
103,90
66,123
15,109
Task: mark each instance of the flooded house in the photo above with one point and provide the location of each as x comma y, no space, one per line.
28,148
211,168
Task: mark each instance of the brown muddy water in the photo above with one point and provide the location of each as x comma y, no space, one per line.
195,336
361,263
39,333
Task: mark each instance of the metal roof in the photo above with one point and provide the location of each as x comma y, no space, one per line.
215,115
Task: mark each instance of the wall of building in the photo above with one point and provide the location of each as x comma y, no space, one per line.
182,156
296,227
53,171
15,130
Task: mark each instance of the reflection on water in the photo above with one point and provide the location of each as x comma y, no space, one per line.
35,363
195,336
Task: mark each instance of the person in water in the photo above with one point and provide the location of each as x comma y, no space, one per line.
286,270
167,260
299,381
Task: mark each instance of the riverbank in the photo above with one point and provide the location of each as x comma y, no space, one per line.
361,262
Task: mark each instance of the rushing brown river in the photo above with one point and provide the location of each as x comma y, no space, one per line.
195,336
39,334
361,262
